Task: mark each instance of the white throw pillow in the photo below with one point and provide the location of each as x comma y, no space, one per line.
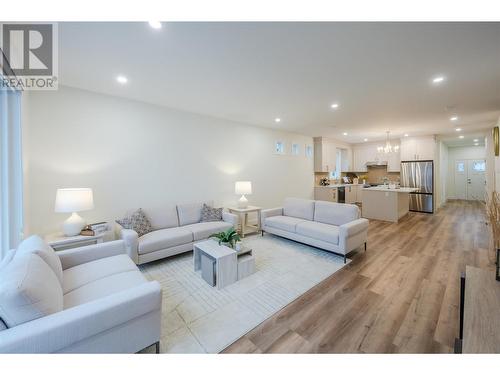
28,290
34,244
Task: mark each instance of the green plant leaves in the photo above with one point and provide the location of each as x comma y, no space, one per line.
230,236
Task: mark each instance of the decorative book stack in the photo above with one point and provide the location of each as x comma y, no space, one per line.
95,229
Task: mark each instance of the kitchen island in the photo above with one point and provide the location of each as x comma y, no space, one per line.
382,203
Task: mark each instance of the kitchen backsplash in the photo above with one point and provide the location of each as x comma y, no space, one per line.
374,175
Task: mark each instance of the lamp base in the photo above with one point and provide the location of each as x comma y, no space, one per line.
243,202
73,225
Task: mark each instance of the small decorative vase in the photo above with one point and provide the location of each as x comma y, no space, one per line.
237,246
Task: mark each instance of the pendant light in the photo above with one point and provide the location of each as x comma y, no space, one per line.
388,148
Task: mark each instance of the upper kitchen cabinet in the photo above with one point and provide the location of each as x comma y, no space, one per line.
325,155
394,162
360,156
418,148
369,153
346,160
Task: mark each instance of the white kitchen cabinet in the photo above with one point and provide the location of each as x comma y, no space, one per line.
369,152
351,193
325,155
426,148
346,159
364,154
418,148
408,149
322,193
359,193
393,162
359,159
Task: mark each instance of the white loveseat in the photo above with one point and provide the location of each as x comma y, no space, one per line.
176,229
91,299
335,227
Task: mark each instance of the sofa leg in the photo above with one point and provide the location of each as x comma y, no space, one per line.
157,347
365,246
345,259
262,233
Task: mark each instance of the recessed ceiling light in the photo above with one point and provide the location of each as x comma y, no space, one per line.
461,136
122,79
454,118
438,79
155,24
406,135
366,139
476,144
458,129
334,105
344,133
277,119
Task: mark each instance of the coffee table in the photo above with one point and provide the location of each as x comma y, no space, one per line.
219,264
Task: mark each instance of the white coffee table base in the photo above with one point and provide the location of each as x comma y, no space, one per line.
228,267
226,261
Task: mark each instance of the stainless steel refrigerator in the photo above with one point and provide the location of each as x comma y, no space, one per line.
419,174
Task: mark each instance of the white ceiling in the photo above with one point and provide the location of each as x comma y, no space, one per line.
469,139
379,73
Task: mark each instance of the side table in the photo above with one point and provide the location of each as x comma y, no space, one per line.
58,241
242,213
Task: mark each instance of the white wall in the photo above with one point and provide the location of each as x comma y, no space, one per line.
134,154
461,153
490,163
441,174
25,123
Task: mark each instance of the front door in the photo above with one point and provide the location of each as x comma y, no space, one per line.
461,179
476,179
470,179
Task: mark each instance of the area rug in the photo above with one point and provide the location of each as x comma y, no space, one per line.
198,318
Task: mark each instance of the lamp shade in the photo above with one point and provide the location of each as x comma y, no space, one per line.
243,187
74,200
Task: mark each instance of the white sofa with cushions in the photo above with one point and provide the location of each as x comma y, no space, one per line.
335,227
175,230
91,299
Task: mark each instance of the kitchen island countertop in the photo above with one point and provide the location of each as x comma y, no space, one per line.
386,189
337,185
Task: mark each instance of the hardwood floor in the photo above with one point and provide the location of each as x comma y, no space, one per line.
401,296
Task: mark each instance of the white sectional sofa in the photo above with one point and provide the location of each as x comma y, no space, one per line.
91,299
335,227
176,229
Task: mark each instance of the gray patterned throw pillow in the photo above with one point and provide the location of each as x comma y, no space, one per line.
210,213
137,221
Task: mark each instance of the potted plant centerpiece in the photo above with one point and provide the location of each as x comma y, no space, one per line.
227,238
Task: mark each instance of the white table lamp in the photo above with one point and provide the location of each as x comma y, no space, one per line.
243,187
74,200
